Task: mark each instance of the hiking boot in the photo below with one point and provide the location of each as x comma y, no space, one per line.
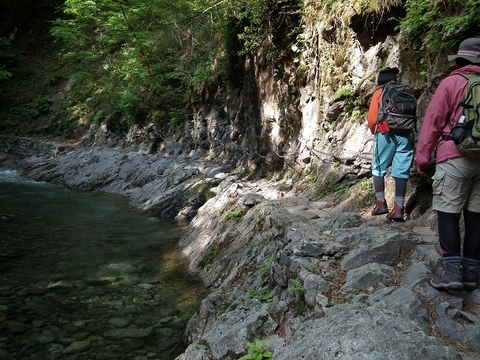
397,213
448,277
380,208
470,275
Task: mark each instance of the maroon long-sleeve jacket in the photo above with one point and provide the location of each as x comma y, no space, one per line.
443,108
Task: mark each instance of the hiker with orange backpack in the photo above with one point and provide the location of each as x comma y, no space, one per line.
456,182
392,125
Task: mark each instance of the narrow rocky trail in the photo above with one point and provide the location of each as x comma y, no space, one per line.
347,283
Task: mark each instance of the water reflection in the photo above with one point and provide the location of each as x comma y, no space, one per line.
84,276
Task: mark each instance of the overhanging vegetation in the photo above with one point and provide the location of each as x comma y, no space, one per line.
135,62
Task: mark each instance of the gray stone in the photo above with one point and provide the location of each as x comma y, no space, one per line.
66,341
472,318
367,276
378,246
42,338
442,308
16,327
428,254
119,322
305,240
416,273
468,334
319,205
55,348
210,307
308,249
473,297
128,333
457,302
454,313
424,230
296,208
335,221
406,302
359,332
195,352
314,285
233,329
77,347
80,335
250,200
309,215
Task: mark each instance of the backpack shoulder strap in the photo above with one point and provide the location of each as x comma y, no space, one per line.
473,80
467,97
448,137
387,90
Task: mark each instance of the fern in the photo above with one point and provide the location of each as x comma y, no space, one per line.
256,351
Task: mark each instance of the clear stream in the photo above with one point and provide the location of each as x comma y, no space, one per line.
85,276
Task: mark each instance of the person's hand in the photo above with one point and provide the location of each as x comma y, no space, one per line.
422,170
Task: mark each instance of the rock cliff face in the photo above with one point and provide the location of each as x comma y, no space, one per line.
302,112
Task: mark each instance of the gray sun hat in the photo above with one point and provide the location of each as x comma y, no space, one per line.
469,49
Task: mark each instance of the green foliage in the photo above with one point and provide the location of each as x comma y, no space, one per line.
255,20
431,26
310,178
4,74
257,351
266,298
145,58
208,258
252,15
301,307
297,50
327,187
367,193
264,270
203,189
252,293
6,56
359,114
297,285
366,185
133,62
344,92
234,214
43,105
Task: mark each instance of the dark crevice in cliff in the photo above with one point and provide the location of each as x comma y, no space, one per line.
374,28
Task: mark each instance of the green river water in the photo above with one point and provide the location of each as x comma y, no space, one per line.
85,276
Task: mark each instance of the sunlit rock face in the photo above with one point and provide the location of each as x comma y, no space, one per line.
305,110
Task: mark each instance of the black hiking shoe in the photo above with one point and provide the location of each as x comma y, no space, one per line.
470,276
448,277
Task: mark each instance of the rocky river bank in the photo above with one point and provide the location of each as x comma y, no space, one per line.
308,279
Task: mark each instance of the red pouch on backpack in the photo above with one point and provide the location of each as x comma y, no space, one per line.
383,127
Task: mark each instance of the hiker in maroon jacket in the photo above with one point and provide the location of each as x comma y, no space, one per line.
456,183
